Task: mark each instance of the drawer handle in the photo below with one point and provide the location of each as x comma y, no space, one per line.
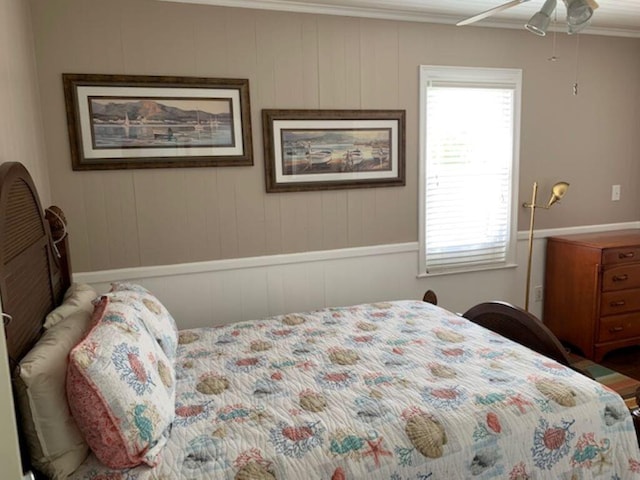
620,278
626,255
615,329
619,303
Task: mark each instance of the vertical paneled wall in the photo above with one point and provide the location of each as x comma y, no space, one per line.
165,216
21,127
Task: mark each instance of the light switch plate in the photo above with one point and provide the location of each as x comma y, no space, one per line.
615,193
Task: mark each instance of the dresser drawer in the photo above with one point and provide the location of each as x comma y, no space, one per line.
620,301
619,327
592,290
621,277
614,256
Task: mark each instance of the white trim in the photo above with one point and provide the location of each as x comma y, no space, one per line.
554,232
241,263
389,14
121,274
223,291
422,163
463,270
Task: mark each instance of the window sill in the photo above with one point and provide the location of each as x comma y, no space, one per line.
463,270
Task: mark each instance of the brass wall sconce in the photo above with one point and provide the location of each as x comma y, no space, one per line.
557,192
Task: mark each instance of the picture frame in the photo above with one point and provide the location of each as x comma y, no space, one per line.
138,121
333,149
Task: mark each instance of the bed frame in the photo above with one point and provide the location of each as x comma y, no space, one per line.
34,266
520,326
514,323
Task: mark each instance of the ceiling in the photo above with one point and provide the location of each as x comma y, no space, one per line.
614,17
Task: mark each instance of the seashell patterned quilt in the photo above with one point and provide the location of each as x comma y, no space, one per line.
399,390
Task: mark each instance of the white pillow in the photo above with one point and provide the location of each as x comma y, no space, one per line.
154,316
56,445
78,297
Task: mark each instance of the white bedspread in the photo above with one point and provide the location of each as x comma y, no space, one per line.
397,390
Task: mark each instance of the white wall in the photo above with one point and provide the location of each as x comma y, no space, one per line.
223,291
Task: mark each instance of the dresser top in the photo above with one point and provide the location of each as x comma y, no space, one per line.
609,239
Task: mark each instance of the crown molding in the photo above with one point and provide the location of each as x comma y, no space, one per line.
396,13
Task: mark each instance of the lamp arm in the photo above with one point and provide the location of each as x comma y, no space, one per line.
532,206
558,191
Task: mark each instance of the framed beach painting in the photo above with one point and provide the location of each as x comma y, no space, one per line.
333,149
127,121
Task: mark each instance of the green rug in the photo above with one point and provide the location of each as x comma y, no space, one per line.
623,385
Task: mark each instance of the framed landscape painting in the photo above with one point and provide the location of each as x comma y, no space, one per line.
333,149
118,121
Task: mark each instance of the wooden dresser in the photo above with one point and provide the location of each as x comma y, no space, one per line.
592,290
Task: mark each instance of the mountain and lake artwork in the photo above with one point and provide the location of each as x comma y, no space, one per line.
130,123
310,151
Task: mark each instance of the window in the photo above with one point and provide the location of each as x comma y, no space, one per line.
470,122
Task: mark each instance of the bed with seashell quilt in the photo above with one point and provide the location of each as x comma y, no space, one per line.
391,390
394,390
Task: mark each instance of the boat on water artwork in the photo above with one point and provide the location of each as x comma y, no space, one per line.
306,151
131,123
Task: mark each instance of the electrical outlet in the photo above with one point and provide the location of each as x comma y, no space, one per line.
537,293
615,193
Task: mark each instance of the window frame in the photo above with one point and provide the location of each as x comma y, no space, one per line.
474,76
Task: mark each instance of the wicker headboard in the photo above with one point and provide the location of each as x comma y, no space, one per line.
34,265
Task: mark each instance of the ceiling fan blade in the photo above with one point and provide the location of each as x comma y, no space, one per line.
490,12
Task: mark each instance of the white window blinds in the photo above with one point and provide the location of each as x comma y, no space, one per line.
469,157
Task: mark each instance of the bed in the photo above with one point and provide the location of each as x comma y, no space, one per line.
390,390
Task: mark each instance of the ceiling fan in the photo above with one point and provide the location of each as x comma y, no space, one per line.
579,13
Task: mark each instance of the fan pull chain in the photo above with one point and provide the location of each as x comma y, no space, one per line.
575,85
554,57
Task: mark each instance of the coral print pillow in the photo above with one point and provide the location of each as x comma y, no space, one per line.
155,317
121,388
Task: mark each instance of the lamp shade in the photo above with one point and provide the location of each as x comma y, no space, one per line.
539,22
557,192
579,12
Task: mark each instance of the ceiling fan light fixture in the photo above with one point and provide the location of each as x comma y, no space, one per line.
579,12
539,22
